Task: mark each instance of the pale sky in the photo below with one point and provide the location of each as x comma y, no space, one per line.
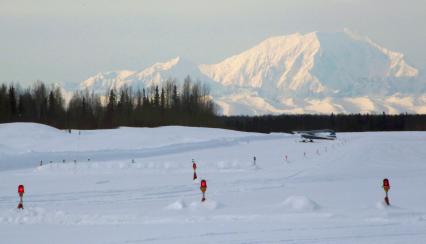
70,40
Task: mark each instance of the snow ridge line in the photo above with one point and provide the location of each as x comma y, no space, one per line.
27,160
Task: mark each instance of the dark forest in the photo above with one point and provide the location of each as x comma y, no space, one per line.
189,104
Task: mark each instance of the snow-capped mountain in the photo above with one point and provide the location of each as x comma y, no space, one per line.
177,68
300,73
311,64
107,80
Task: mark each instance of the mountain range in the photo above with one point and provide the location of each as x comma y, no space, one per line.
316,72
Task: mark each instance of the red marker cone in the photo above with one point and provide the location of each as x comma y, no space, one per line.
203,188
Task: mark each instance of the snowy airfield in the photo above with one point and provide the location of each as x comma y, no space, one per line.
332,194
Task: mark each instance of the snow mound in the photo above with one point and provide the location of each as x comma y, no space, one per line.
181,205
300,204
178,205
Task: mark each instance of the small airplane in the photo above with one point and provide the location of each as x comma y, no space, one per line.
312,135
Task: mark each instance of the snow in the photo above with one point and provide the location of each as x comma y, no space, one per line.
178,205
107,80
331,195
39,138
35,141
176,69
398,66
277,63
320,71
300,203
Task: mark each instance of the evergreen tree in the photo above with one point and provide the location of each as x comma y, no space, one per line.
162,100
12,103
156,98
175,98
110,109
4,104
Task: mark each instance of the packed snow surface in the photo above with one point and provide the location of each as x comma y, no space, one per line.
134,185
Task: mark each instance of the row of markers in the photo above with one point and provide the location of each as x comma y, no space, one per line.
63,161
203,188
203,184
304,153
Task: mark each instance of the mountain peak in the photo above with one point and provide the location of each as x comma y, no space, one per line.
313,72
177,68
312,63
270,64
106,80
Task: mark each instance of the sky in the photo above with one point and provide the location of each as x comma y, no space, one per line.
68,41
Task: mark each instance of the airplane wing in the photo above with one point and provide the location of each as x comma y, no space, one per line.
325,134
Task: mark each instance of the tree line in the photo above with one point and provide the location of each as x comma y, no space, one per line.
169,104
189,104
337,122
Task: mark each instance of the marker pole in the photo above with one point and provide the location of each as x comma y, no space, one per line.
386,187
21,196
21,203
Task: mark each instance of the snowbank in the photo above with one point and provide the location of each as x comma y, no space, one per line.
32,137
300,204
178,205
194,206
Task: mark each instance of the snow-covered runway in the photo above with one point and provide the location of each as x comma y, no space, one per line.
325,192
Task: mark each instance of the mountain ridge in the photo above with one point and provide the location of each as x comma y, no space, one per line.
300,73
